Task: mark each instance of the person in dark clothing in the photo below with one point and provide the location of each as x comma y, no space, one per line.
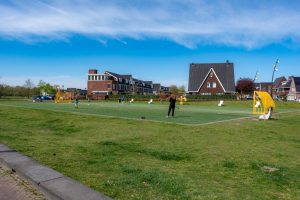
76,102
172,105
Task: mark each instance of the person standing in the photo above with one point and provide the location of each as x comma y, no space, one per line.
172,105
76,102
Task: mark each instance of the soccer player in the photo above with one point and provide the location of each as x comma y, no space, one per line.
172,105
76,102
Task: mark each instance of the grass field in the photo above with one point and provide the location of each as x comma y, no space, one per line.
205,152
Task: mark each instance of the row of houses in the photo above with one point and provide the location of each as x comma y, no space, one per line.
282,87
204,79
289,88
113,83
212,78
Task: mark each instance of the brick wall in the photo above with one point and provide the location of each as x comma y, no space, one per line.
205,89
99,86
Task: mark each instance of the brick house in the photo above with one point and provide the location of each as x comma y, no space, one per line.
211,78
113,83
294,92
289,88
263,86
158,88
280,86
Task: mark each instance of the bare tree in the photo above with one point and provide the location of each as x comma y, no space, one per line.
28,85
181,89
174,89
1,89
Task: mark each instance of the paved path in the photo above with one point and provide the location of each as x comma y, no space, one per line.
12,187
53,184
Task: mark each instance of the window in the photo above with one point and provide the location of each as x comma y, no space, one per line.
114,86
108,85
211,84
89,78
211,74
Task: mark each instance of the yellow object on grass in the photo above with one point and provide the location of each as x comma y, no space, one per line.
182,100
262,102
62,97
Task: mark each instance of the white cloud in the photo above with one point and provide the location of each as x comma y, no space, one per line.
248,24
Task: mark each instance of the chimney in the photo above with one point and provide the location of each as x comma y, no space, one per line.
93,71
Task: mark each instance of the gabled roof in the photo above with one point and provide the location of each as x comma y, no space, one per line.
297,83
278,81
137,80
263,84
285,84
114,74
211,70
128,77
224,71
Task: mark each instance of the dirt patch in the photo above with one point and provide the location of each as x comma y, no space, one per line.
268,169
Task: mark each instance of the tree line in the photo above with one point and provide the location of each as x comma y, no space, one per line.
28,89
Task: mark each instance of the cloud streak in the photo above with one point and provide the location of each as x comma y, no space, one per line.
247,24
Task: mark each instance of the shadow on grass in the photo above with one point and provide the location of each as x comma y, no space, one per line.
161,155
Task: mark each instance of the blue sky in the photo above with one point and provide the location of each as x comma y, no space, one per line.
58,41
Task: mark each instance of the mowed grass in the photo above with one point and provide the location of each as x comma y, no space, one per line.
140,159
193,114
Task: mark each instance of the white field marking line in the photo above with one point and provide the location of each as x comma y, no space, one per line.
120,117
193,109
92,114
241,118
137,119
159,107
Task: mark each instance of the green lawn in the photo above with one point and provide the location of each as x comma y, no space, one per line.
195,114
109,148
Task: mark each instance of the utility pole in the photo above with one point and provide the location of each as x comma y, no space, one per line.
255,78
274,70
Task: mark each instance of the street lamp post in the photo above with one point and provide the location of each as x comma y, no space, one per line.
255,78
274,70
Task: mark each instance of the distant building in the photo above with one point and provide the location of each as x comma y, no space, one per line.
263,86
158,89
113,83
289,88
280,88
294,92
211,78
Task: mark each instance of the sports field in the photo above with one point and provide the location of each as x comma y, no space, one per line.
194,114
205,152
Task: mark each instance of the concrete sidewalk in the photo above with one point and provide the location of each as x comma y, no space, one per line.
12,187
51,183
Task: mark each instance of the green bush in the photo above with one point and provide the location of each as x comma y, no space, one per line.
198,97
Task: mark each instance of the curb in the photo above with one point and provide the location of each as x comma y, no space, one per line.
51,183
